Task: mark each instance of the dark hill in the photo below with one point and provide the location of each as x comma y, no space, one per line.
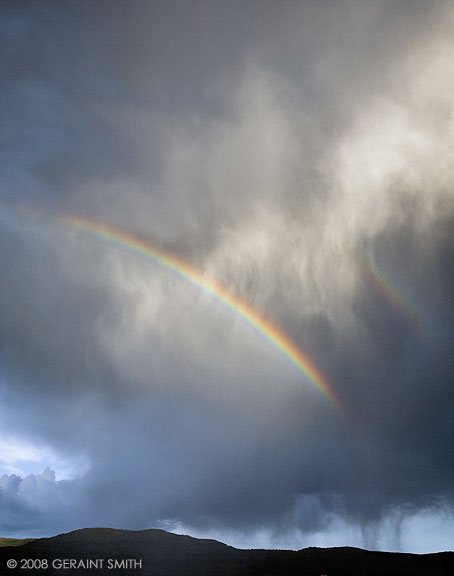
95,550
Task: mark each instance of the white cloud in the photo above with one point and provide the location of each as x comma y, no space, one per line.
21,457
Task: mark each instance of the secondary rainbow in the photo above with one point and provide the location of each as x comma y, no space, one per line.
375,276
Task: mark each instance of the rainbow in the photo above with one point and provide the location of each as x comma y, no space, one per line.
383,285
136,245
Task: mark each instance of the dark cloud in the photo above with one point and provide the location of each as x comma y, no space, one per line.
301,156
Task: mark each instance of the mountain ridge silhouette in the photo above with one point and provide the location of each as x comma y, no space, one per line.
156,552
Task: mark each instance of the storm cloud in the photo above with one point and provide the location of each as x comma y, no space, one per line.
299,155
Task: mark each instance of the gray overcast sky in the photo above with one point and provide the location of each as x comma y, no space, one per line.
299,154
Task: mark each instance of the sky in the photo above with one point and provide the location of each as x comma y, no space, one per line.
227,270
